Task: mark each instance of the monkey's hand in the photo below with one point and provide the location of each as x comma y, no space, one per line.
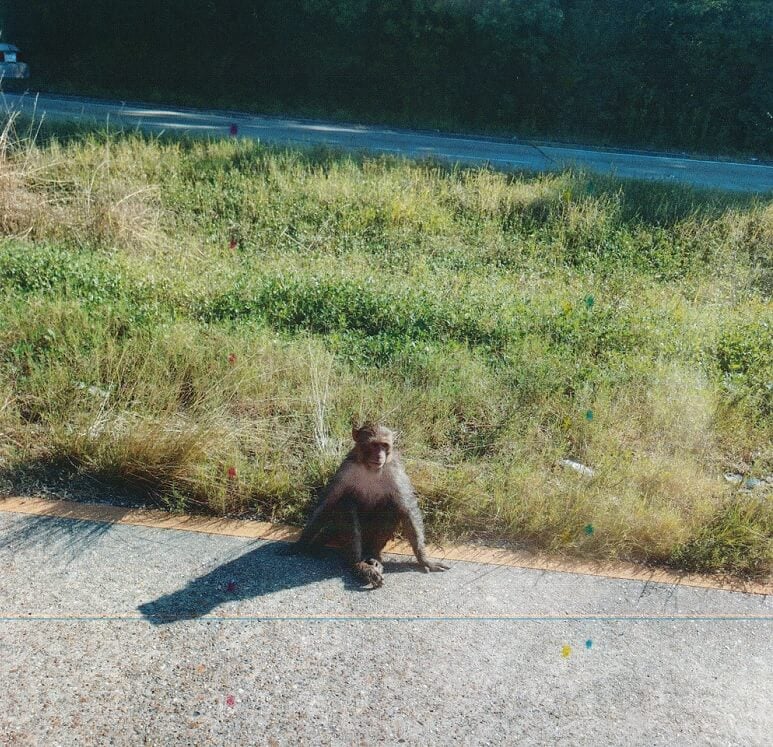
371,571
428,566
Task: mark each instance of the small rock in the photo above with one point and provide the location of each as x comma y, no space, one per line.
746,483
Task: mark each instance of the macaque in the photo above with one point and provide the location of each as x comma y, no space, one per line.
365,501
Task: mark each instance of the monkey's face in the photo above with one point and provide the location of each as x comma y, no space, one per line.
377,453
374,445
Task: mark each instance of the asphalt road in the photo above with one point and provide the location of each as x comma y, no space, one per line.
467,150
116,634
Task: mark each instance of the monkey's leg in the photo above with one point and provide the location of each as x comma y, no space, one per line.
413,526
369,570
376,564
313,528
314,533
375,540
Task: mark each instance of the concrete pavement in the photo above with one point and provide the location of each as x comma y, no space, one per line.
125,634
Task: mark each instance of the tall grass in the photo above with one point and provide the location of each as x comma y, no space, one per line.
203,320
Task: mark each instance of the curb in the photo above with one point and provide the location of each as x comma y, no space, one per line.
247,528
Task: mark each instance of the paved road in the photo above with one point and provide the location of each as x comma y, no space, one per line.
499,153
141,635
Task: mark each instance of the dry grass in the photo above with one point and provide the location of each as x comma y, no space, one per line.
92,197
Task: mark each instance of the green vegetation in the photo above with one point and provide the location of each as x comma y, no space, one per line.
668,73
172,309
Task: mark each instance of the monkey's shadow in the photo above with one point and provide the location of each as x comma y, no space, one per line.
266,569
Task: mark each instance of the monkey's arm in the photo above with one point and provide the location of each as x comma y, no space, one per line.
413,526
313,526
330,497
365,569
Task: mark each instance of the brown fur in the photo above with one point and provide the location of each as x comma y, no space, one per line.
365,502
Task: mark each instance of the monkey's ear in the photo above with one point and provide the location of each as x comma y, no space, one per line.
354,420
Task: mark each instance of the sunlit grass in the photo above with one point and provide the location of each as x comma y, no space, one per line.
203,321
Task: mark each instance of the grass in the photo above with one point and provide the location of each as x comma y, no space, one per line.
175,309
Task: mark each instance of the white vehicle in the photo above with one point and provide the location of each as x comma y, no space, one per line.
10,66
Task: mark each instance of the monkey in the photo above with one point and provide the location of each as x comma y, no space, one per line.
366,500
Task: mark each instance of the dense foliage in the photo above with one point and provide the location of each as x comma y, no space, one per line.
686,73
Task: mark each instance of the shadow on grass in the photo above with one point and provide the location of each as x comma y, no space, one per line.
657,203
62,477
